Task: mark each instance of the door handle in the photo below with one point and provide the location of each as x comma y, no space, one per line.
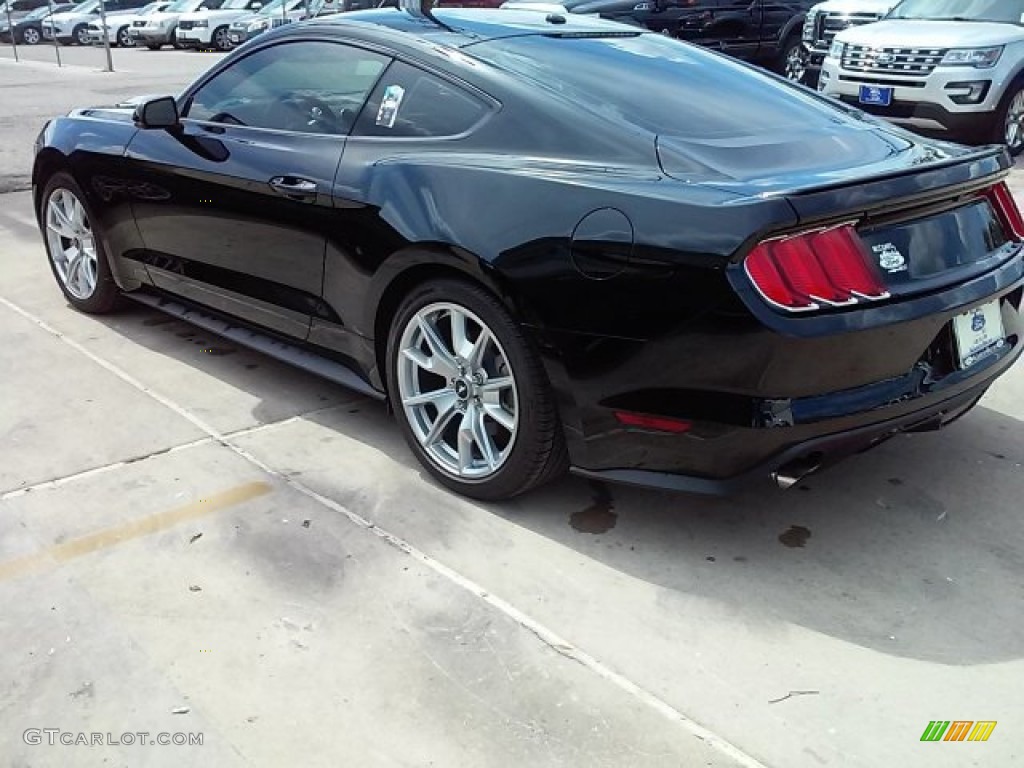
294,188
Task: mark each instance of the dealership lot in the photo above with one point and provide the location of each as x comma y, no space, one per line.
191,526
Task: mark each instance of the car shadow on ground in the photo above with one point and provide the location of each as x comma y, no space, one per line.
914,549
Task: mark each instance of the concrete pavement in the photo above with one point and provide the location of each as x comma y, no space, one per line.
186,525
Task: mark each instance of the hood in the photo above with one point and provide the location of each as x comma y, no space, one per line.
895,33
214,13
856,6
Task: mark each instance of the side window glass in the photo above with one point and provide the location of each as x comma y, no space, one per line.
409,102
310,87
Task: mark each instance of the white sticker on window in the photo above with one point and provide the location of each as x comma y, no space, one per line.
389,105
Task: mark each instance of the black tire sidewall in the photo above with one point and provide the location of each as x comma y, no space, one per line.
76,34
518,473
106,294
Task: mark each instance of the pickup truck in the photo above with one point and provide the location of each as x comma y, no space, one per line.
764,31
826,20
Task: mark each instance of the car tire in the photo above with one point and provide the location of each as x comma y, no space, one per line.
1009,122
31,36
154,46
124,39
74,247
481,419
79,33
174,40
792,63
220,40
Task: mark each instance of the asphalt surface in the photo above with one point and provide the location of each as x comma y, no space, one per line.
195,538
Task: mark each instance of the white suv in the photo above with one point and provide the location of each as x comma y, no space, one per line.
948,67
209,29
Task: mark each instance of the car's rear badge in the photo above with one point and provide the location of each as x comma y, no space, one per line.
889,258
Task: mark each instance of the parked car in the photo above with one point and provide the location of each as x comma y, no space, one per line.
208,28
272,16
119,33
660,290
72,27
15,10
825,20
943,66
160,29
28,29
763,31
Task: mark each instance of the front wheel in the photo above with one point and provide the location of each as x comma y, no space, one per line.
75,252
470,394
124,39
81,34
793,61
30,36
220,38
1009,123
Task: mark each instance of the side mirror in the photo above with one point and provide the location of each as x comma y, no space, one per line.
161,112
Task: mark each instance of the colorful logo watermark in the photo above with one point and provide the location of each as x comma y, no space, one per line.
958,730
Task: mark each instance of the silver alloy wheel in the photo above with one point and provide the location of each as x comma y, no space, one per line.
458,391
220,39
1013,129
796,66
30,36
124,39
71,243
82,35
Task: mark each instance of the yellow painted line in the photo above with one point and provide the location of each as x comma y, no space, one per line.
133,529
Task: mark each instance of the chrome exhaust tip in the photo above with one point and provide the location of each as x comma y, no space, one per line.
792,472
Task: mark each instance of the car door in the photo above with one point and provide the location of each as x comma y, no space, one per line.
237,200
730,26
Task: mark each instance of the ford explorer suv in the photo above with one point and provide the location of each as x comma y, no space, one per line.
208,29
946,67
160,29
825,20
72,27
763,31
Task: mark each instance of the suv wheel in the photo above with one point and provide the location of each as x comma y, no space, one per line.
80,34
1009,127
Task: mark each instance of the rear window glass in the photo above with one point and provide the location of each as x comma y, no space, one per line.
658,83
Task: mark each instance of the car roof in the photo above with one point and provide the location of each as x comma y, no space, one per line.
459,27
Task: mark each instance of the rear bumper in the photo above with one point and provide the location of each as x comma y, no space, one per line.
759,399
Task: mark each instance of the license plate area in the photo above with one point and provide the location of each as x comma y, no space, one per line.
978,333
876,95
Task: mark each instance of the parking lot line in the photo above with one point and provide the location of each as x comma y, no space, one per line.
133,529
547,636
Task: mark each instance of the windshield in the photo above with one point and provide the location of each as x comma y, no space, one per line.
234,4
87,7
38,13
1005,11
183,6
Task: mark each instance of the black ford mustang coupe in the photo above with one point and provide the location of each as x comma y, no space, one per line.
553,241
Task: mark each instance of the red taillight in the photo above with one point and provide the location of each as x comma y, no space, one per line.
805,271
1006,208
659,423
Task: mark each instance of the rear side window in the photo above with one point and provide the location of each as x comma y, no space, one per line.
411,103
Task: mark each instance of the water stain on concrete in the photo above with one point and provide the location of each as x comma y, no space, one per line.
796,536
85,690
598,517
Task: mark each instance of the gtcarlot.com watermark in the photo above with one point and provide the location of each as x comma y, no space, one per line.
55,736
